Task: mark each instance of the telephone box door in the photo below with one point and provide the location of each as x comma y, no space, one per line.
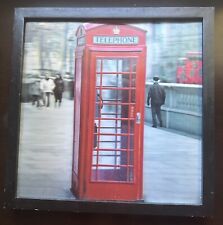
116,150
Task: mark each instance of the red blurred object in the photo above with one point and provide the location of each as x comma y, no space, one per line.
109,112
189,69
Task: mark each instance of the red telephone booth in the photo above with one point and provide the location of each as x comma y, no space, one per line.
109,112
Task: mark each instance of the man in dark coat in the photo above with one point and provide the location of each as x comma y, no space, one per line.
156,97
58,90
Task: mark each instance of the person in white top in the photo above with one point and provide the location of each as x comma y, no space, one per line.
47,85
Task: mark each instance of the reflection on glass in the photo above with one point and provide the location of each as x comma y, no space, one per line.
115,87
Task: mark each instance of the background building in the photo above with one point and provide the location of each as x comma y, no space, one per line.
50,47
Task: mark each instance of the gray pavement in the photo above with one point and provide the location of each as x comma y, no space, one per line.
45,159
172,167
172,161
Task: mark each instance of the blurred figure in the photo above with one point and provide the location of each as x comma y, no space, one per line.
98,107
58,89
157,98
47,85
36,93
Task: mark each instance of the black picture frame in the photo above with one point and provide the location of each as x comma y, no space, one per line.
203,14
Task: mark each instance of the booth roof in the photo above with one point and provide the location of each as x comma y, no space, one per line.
89,26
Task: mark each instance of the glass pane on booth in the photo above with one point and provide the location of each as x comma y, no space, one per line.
113,152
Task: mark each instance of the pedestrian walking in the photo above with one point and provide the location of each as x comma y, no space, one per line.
156,97
47,85
36,93
58,89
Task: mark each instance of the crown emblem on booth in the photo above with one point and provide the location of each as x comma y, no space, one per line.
116,30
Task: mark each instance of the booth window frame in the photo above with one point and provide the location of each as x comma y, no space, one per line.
145,14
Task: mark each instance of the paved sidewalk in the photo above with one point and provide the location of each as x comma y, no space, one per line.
172,162
172,167
45,159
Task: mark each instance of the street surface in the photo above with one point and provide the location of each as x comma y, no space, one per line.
172,161
172,167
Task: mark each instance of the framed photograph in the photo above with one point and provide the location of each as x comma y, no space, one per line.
112,110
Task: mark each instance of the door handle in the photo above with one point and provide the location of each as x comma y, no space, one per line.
138,118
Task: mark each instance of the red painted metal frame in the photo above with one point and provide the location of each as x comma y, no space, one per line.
82,184
116,155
